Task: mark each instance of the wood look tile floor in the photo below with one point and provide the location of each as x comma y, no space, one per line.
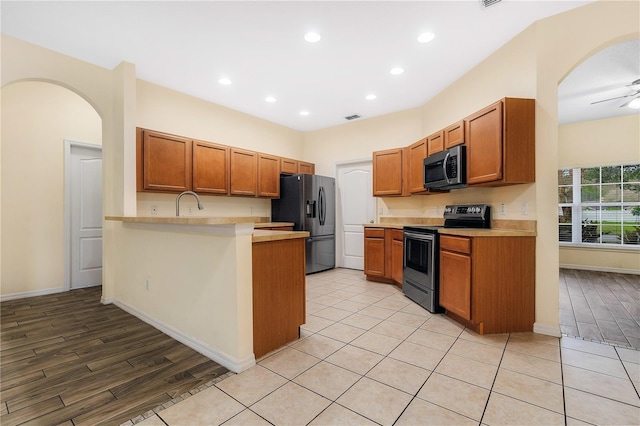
67,359
600,306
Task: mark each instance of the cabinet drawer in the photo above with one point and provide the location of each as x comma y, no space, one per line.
397,234
458,244
374,232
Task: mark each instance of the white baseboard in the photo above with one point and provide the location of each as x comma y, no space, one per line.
33,293
546,329
601,268
235,365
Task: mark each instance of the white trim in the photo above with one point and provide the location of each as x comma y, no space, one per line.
600,268
235,365
32,293
618,248
546,329
67,204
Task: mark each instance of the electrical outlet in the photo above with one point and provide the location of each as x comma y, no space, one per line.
524,209
503,209
154,210
148,284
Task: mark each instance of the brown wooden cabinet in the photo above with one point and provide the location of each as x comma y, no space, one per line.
435,143
500,143
244,172
210,168
454,135
417,153
268,176
288,166
488,283
383,254
163,162
278,293
388,169
306,168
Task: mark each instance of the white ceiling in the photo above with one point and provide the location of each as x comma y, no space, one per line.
187,46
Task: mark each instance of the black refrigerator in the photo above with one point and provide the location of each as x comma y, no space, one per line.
309,202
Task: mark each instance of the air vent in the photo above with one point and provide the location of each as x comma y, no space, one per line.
487,3
352,117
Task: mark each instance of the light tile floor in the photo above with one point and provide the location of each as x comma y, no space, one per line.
368,355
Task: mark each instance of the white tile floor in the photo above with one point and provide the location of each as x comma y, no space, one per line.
368,356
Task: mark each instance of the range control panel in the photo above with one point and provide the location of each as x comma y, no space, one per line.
467,216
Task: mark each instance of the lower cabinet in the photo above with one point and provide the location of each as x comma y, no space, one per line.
278,293
383,251
488,283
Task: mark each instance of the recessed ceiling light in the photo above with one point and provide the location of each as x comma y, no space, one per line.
370,97
312,37
634,103
396,71
426,37
270,99
224,81
304,112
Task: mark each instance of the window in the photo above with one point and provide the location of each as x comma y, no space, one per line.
599,205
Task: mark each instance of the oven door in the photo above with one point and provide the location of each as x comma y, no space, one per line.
419,265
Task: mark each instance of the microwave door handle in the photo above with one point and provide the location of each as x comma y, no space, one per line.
444,167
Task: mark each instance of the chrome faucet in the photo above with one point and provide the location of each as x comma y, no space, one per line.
200,206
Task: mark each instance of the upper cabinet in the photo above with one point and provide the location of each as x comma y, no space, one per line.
454,135
164,162
388,171
500,143
435,143
306,168
210,168
170,163
417,154
244,172
268,176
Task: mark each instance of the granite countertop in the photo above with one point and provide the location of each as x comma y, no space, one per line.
189,220
259,225
260,236
499,227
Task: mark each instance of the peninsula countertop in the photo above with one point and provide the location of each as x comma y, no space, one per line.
190,220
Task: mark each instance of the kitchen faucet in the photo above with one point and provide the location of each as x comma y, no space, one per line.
200,206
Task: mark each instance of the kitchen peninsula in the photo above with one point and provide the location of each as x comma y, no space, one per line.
197,280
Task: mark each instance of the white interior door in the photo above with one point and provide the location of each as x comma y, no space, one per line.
85,208
357,207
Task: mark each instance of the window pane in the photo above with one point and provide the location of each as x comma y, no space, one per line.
590,193
564,214
565,233
631,225
611,193
631,192
611,228
590,222
591,175
565,194
611,174
565,177
631,173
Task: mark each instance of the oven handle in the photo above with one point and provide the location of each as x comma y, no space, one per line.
423,237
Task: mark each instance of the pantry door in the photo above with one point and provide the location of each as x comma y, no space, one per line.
356,206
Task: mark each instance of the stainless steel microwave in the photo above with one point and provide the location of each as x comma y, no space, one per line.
446,169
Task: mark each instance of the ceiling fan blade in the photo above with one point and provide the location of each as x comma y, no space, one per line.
610,99
634,83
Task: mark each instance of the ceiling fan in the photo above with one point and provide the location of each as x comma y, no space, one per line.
634,102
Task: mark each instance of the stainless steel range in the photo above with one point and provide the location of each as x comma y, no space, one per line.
420,274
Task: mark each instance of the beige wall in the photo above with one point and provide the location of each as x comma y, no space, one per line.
599,143
36,119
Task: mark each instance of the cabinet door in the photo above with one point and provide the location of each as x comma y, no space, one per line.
435,142
306,168
374,257
243,172
387,172
484,145
397,253
210,168
166,162
268,176
455,283
417,154
288,166
454,135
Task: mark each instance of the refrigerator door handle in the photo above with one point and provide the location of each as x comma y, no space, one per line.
321,207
